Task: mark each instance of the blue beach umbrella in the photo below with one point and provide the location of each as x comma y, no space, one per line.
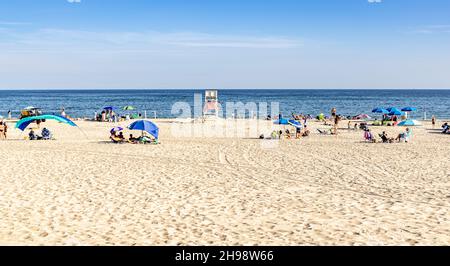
409,123
395,111
109,108
409,109
146,126
380,110
24,123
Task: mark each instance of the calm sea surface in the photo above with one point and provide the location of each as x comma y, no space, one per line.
83,103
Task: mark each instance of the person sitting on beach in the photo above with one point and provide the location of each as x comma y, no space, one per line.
116,138
46,134
132,139
306,132
368,136
445,128
288,134
280,134
121,136
384,137
404,136
274,134
298,133
32,135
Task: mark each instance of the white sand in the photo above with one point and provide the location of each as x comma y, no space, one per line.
323,190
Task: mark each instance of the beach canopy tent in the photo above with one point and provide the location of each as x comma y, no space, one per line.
128,108
286,122
409,123
409,109
24,123
146,126
380,110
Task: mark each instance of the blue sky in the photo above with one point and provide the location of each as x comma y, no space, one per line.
224,44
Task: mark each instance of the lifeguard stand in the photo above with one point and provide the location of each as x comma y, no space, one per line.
211,108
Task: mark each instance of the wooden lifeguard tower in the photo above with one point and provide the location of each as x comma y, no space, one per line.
211,108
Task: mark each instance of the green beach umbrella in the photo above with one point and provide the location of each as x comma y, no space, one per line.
128,108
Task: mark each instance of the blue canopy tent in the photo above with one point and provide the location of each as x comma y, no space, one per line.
286,122
146,126
24,123
409,123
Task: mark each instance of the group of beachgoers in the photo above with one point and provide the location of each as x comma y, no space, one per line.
287,134
118,137
369,136
112,117
45,135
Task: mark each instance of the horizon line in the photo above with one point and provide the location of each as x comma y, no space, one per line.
210,88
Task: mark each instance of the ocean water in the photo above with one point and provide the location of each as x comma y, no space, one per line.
84,103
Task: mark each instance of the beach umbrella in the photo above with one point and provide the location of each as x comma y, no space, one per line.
409,109
409,123
362,116
146,126
395,111
24,123
116,129
128,108
380,110
390,109
109,108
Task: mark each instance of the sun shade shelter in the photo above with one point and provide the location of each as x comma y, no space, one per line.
395,111
409,123
362,117
286,122
128,108
145,126
380,110
409,109
24,123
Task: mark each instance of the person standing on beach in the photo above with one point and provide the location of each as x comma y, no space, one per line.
9,114
333,112
63,112
433,121
2,130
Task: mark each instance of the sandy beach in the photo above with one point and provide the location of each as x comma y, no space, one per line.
81,189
